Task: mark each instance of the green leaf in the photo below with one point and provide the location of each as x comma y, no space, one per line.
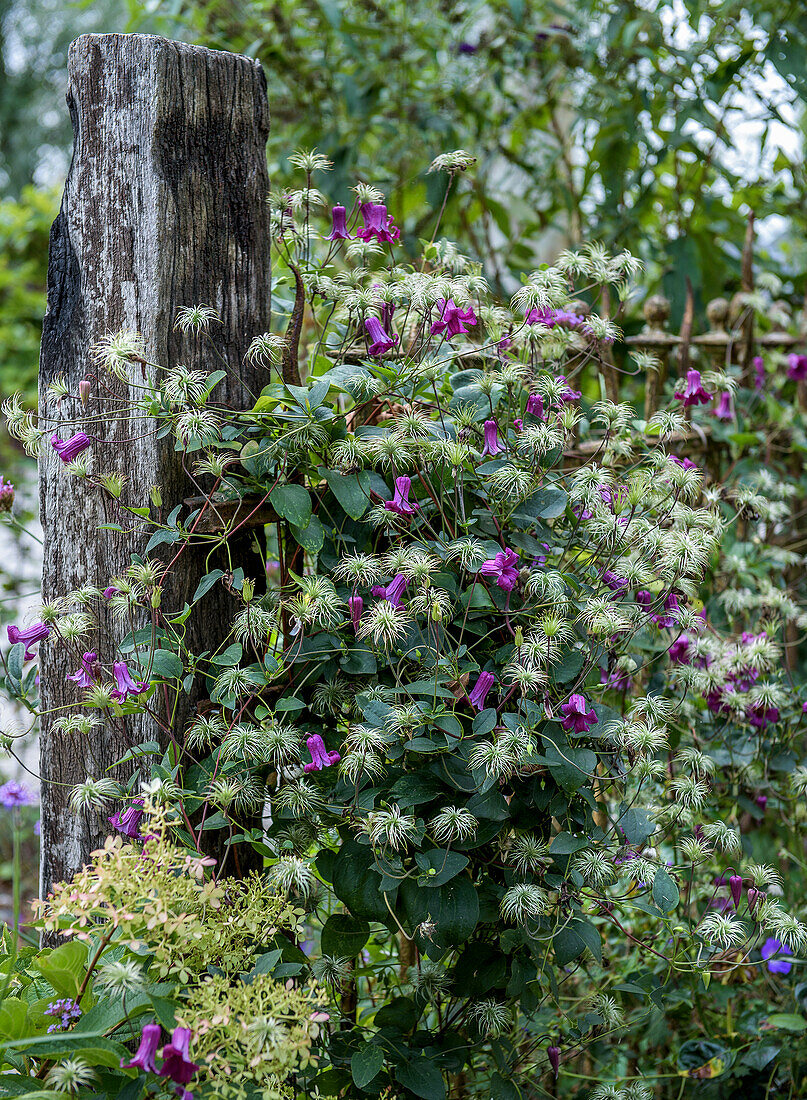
15,660
571,768
65,967
167,664
787,1021
484,722
351,490
293,503
344,935
356,882
310,537
572,941
206,583
230,657
665,891
422,1077
13,1018
564,844
439,866
366,1064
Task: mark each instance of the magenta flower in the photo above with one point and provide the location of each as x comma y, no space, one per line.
569,394
30,636
693,393
478,693
144,1059
377,224
724,411
503,567
86,676
617,679
797,367
110,592
125,685
687,463
176,1062
16,794
128,822
492,445
678,650
6,495
339,221
670,604
400,503
575,715
356,606
772,948
759,372
518,424
453,319
380,342
68,449
644,598
619,585
736,888
535,405
393,591
761,716
320,757
553,1054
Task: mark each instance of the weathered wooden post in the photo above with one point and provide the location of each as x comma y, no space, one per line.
165,206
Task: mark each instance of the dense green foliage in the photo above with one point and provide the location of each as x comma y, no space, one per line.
511,714
622,122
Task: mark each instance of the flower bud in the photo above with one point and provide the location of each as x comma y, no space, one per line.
437,613
553,1054
156,598
519,637
84,391
248,590
156,496
736,887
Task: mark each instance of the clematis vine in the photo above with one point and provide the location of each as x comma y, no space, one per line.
69,449
479,692
355,606
144,1059
400,502
176,1060
38,632
124,684
535,405
339,222
693,392
86,676
492,445
724,410
320,756
378,224
128,821
380,342
759,373
6,495
503,567
453,319
393,591
575,716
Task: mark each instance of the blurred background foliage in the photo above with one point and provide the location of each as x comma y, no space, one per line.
655,126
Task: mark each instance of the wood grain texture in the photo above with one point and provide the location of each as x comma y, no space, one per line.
164,206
